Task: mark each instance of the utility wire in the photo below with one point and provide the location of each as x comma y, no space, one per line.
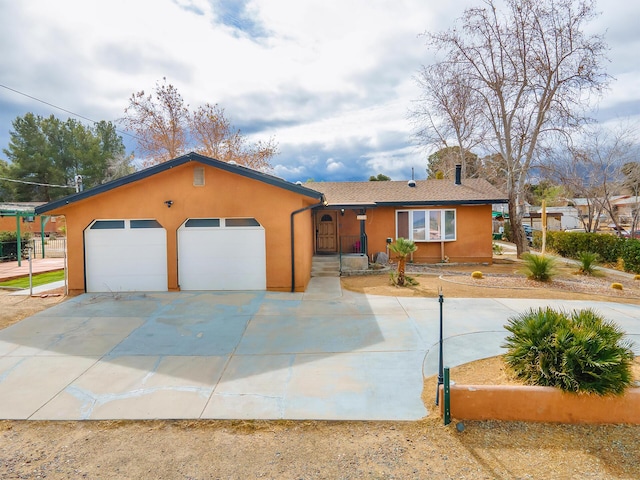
63,109
36,183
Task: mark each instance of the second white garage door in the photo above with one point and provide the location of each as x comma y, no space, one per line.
222,254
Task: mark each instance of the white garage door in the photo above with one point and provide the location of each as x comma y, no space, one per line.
221,254
126,256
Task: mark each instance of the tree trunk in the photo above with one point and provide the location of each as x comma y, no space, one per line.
401,268
517,232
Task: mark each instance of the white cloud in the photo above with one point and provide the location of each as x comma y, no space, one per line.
327,79
334,166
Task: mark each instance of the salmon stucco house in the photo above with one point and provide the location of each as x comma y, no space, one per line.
195,223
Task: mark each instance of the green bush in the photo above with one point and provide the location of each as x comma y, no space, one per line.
610,248
577,352
9,246
537,240
631,255
539,267
568,244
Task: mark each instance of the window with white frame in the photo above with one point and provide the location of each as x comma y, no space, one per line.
426,225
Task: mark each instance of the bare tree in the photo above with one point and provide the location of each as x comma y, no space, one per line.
631,183
159,122
593,169
571,171
447,117
534,70
216,137
166,128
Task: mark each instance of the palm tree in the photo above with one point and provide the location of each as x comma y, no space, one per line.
402,248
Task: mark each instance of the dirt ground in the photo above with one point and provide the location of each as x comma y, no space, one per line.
337,450
502,279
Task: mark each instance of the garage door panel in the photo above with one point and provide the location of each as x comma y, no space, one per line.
221,258
117,282
126,259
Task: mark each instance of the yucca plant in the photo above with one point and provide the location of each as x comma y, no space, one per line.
539,267
577,352
588,262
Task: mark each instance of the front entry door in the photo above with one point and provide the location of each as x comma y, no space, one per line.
326,237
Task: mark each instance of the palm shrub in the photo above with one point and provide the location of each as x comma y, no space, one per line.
539,267
588,261
402,248
576,352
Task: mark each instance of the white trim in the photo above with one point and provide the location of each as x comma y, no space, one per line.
427,214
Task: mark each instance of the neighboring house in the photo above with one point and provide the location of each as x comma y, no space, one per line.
21,216
625,208
558,218
195,223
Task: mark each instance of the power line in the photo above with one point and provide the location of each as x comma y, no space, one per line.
36,183
63,109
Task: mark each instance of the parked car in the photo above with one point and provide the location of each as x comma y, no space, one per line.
620,231
528,232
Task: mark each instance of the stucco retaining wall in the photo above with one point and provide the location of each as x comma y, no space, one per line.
541,404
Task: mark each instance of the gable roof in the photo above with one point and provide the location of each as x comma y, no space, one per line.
472,191
162,167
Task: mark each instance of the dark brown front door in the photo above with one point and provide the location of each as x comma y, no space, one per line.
326,237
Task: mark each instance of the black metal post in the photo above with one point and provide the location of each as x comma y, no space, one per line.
447,398
440,362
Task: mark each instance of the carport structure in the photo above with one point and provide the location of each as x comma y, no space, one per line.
24,212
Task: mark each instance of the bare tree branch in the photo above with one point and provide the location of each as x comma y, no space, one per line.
532,69
166,128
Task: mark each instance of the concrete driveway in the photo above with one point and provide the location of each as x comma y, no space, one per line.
324,354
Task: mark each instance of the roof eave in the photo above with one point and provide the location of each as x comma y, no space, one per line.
351,205
431,203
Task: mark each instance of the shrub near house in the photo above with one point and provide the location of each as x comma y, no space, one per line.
610,248
9,246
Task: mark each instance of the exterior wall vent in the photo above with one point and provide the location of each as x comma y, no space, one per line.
198,176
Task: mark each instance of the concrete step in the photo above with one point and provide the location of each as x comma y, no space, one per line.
325,266
325,274
325,258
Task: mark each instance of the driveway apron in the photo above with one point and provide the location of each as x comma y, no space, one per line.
324,354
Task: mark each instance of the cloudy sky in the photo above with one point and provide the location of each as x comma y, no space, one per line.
330,80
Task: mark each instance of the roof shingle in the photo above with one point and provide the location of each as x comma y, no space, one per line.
425,192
